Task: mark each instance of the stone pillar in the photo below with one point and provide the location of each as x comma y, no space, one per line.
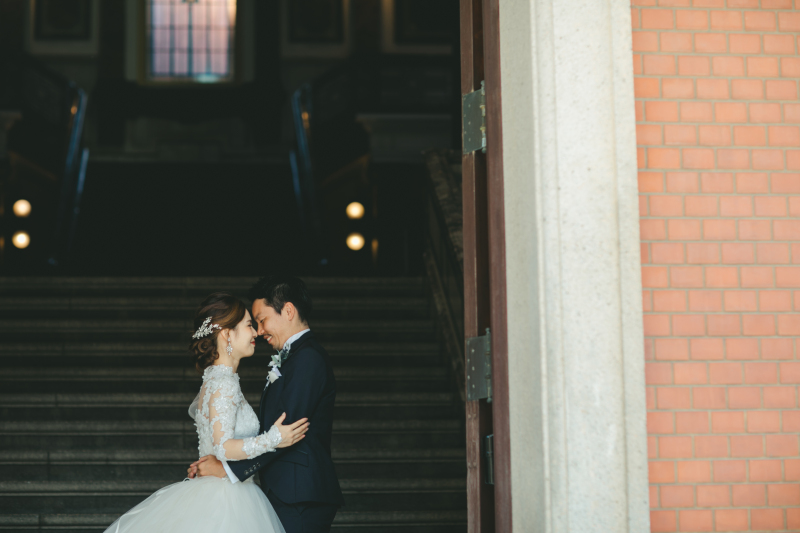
575,340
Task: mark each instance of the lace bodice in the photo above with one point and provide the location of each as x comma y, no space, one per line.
227,426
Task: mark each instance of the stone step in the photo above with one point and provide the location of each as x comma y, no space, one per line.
169,465
180,330
63,435
178,307
173,406
171,379
48,497
200,287
345,522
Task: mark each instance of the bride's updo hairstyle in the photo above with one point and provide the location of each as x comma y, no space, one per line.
226,311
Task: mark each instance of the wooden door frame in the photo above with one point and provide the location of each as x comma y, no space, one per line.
488,508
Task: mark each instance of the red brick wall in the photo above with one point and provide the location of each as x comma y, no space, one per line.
718,120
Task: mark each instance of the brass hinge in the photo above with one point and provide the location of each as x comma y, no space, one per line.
479,367
473,120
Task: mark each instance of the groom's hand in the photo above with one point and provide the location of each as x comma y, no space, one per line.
207,466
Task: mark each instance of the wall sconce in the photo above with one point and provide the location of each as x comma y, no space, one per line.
21,240
22,208
355,210
355,241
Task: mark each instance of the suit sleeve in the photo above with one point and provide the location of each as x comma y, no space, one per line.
299,399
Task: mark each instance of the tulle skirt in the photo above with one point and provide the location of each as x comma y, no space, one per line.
206,504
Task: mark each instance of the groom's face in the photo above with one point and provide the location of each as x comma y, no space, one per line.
271,324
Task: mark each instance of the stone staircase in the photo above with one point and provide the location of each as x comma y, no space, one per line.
95,383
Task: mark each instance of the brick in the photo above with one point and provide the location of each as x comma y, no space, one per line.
779,44
645,41
766,519
789,22
733,159
677,135
696,112
667,253
782,446
747,446
687,182
764,113
661,471
683,230
656,325
686,277
710,43
698,158
658,373
720,182
726,20
715,135
688,325
767,159
752,183
673,398
710,446
794,206
672,349
780,397
652,447
792,470
676,42
706,349
774,301
730,112
664,301
792,112
790,372
663,521
648,134
651,182
727,422
700,206
709,398
749,135
719,230
744,398
756,277
754,230
784,136
747,89
696,520
749,495
725,373
770,206
741,349
691,20
659,423
776,4
678,88
758,325
663,158
783,494
791,421
657,19
713,496
731,520
695,66
777,348
744,43
693,471
690,373
654,65
724,325
730,471
654,277
646,87
691,422
736,301
765,470
789,325
785,183
675,447
787,276
790,67
762,67
652,230
733,4
705,301
763,422
793,159
721,277
781,89
736,206
737,253
759,21
760,373
638,107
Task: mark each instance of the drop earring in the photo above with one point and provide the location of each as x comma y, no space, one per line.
229,349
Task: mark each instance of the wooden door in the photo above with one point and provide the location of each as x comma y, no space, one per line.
489,506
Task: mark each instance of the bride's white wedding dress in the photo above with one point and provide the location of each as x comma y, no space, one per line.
228,428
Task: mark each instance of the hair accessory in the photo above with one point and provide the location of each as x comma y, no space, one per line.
205,329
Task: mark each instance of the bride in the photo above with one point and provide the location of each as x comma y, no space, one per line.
228,428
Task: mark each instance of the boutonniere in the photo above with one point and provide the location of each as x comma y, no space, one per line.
274,373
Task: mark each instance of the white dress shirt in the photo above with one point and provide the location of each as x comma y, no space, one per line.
286,345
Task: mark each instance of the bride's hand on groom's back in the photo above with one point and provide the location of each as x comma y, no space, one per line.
291,433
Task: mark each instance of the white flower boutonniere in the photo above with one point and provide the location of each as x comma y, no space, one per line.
274,373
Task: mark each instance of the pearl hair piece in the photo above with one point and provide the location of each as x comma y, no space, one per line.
205,329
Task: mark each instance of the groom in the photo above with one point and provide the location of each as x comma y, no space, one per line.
300,480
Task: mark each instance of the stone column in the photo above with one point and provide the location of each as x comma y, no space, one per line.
576,363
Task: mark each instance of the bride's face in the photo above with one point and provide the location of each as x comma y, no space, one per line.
243,337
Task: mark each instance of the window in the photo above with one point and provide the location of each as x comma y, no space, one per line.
190,40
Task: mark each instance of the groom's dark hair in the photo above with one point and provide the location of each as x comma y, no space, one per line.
278,289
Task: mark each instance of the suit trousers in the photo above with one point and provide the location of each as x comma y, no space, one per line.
304,517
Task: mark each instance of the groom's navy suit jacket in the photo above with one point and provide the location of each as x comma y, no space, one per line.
303,472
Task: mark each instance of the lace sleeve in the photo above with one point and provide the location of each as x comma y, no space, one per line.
222,415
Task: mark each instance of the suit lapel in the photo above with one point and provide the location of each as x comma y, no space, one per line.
265,394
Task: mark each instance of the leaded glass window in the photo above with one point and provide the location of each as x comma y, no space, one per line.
191,40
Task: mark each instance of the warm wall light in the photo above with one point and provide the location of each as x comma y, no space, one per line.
355,241
22,208
355,210
22,239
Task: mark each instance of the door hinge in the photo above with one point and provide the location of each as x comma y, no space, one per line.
473,120
488,455
479,367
